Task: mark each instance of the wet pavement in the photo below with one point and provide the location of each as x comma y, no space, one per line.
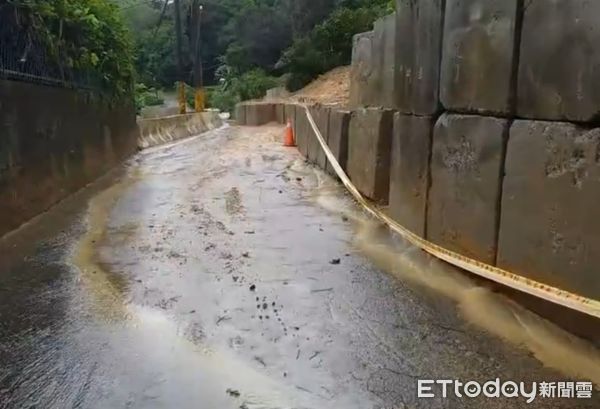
223,272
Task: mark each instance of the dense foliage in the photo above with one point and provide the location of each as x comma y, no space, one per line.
246,44
84,36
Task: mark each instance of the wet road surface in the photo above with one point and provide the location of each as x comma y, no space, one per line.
223,272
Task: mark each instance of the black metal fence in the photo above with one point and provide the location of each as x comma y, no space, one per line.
24,57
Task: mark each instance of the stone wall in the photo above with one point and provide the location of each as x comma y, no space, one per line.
53,142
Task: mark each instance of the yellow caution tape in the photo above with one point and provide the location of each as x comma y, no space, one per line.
546,292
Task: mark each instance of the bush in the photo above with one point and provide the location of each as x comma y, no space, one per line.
221,99
253,84
145,96
234,88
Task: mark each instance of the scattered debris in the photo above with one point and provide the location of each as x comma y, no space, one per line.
322,290
233,392
249,232
260,361
299,179
246,254
252,287
223,318
335,261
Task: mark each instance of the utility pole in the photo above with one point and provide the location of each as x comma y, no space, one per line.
196,19
180,84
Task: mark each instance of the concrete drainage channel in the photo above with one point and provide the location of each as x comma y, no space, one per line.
380,166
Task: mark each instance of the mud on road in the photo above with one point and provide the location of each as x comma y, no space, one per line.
224,272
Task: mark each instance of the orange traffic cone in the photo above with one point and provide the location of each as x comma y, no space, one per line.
289,135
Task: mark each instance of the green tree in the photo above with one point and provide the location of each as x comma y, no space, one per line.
84,36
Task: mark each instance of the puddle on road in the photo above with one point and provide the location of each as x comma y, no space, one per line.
495,313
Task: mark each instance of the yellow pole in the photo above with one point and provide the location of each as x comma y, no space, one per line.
181,99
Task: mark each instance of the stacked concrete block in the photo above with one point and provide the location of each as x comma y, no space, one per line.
550,222
362,79
316,154
466,180
418,50
559,70
409,176
339,123
259,114
388,69
280,113
302,130
477,57
289,111
369,146
240,114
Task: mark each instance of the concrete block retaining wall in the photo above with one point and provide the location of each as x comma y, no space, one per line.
256,114
302,130
526,62
53,142
339,126
409,175
418,51
466,180
477,58
316,154
369,147
550,229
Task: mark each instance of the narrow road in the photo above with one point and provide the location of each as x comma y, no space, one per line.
223,272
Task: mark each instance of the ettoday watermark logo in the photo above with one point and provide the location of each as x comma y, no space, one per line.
429,388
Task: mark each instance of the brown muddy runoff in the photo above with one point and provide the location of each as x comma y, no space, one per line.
163,340
153,332
478,304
